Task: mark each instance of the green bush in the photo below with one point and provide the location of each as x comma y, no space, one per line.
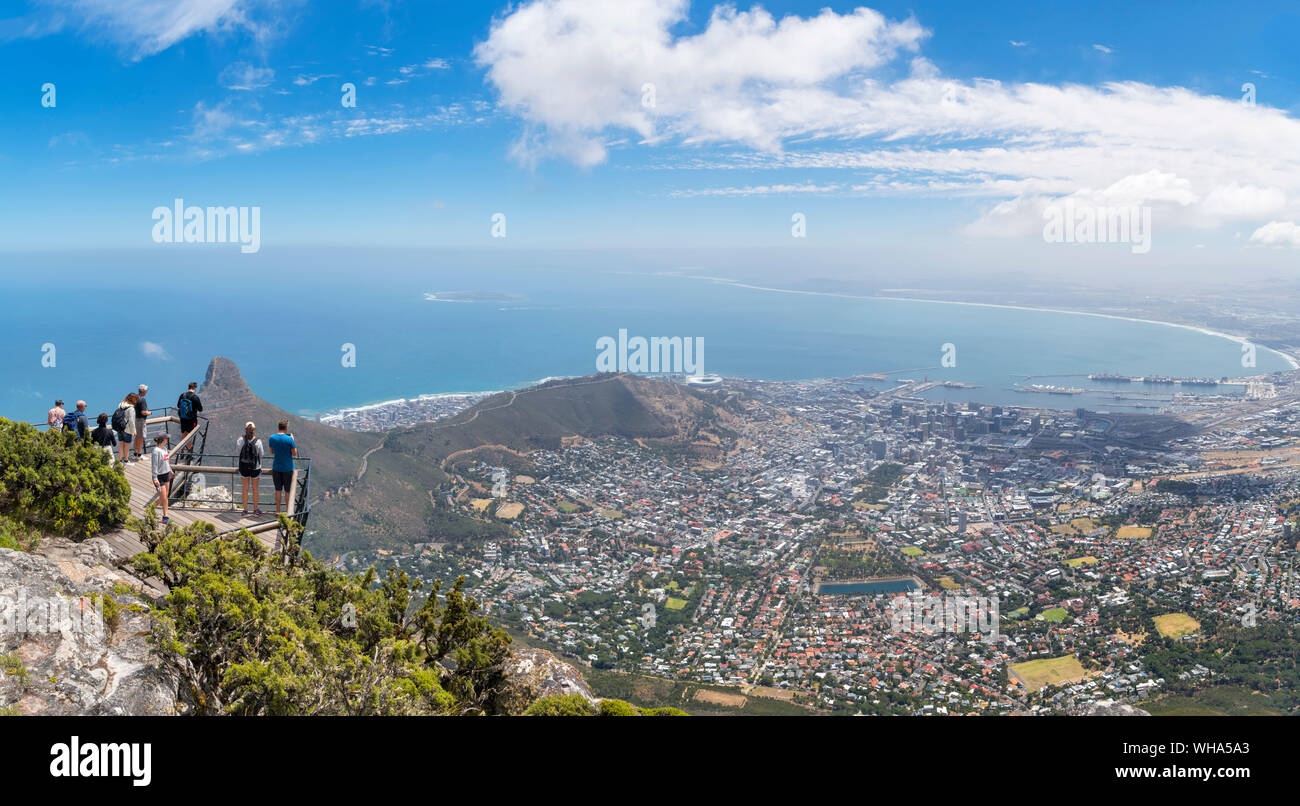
563,705
53,481
665,711
617,708
15,534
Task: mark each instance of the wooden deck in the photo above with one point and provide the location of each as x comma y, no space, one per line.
225,516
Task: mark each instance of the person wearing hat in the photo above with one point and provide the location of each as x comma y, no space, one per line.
141,421
55,418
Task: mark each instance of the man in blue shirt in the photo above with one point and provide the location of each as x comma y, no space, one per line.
283,450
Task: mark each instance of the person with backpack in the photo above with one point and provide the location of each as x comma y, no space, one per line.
250,464
104,437
54,419
124,425
188,406
75,420
162,473
141,421
283,450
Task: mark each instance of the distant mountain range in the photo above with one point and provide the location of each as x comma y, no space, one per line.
389,489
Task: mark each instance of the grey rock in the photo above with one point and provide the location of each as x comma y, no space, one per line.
74,665
1107,708
535,673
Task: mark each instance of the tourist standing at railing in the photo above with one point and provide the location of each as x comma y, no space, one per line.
141,421
188,406
250,464
124,425
283,450
75,421
162,473
104,437
55,417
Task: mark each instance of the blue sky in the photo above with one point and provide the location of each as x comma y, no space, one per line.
891,125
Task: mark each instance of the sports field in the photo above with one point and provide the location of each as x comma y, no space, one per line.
1176,625
1035,674
1133,531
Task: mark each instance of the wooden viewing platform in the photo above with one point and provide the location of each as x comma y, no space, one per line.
226,516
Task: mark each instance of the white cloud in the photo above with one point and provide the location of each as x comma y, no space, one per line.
146,27
244,76
573,69
1017,44
1277,233
575,74
1102,49
155,351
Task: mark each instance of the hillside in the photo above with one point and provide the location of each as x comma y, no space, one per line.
381,490
229,402
401,498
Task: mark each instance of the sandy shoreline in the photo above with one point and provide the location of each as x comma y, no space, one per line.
1205,330
337,414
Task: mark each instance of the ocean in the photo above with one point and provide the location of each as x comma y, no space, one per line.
288,330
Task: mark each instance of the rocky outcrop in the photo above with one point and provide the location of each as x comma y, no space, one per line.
59,656
1107,708
535,673
224,386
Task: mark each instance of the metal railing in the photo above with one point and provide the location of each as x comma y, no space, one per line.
199,476
214,484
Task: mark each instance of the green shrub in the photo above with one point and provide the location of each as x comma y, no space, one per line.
563,705
55,482
13,666
617,708
666,711
17,535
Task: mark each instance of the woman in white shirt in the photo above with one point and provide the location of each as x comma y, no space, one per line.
250,464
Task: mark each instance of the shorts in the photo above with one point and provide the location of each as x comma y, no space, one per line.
250,473
123,438
188,426
164,478
283,480
141,427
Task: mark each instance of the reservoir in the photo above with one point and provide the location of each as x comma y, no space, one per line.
869,587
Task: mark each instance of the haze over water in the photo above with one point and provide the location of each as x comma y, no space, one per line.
285,330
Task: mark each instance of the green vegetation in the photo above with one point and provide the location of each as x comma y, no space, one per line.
252,633
1263,660
578,705
876,485
13,666
52,481
1176,486
657,696
16,535
858,564
1215,701
1054,615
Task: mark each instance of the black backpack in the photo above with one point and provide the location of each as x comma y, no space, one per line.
119,419
248,454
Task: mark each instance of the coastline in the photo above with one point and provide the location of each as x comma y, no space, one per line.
1291,360
340,413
